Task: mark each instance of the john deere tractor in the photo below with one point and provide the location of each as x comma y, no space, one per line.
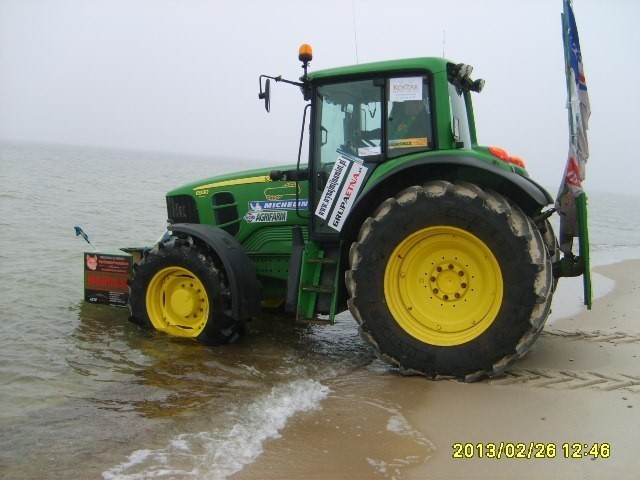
440,248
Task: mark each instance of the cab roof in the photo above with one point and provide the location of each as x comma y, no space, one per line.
432,64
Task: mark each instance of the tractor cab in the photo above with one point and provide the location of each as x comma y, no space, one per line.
365,116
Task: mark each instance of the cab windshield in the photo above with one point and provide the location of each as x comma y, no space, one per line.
348,110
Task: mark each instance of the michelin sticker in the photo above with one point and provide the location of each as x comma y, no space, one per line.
262,205
271,211
348,172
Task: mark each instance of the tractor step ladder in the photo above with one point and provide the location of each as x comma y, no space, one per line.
314,270
317,296
318,291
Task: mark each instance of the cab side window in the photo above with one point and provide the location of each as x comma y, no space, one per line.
409,122
460,122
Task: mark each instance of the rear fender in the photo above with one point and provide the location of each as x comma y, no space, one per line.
530,196
243,282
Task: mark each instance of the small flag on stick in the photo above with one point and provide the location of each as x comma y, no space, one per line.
81,233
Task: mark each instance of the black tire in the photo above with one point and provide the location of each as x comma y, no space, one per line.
178,289
495,259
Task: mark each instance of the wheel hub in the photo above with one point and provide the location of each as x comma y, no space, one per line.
183,300
448,281
177,302
443,285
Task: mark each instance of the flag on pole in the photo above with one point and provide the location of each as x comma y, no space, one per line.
81,233
579,113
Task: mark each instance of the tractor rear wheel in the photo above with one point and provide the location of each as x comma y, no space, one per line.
449,280
177,289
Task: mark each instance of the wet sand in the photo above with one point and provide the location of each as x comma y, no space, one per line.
578,386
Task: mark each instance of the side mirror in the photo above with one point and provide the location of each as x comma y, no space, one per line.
266,95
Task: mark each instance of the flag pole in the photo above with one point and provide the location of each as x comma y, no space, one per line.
578,224
583,242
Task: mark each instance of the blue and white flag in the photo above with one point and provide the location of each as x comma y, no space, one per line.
579,99
579,113
81,233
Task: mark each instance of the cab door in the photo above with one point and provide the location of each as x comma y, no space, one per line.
347,134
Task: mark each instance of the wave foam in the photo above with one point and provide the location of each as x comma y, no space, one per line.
217,454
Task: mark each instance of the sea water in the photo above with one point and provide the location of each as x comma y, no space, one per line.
86,394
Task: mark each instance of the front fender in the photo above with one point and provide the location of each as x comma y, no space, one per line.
243,282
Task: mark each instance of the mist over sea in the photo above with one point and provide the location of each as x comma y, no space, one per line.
86,394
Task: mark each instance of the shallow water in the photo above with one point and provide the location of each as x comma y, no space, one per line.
86,394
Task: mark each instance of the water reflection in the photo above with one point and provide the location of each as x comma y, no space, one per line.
161,376
116,389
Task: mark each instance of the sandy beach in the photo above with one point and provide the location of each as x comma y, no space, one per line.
578,387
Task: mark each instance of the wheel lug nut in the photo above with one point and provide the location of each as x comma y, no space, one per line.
450,267
439,269
464,285
446,297
433,279
461,273
435,290
457,295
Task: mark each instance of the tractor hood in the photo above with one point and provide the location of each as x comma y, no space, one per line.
205,186
243,204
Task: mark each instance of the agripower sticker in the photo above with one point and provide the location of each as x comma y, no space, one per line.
408,143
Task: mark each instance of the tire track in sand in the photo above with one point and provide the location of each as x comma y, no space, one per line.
575,380
569,380
595,336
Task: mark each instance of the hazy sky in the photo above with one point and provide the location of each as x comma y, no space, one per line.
182,75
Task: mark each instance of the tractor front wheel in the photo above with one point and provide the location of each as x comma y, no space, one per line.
177,289
450,280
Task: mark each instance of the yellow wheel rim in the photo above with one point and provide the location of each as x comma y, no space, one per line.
177,302
443,286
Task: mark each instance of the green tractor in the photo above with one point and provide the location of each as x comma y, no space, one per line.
440,248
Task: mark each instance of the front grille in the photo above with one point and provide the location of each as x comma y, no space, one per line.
225,210
182,209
